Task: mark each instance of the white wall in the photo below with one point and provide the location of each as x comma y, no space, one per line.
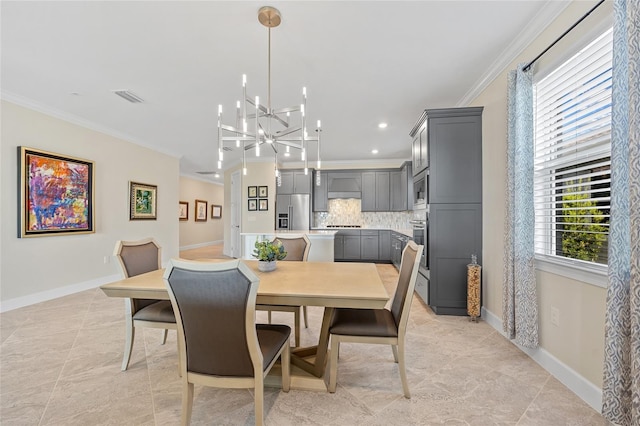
578,340
197,234
35,269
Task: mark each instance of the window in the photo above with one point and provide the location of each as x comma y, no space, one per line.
573,156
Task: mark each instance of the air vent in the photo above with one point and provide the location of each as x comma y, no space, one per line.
129,95
227,148
215,174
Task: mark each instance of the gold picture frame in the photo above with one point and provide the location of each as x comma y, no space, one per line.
143,201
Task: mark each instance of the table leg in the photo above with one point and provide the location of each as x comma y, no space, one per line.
299,355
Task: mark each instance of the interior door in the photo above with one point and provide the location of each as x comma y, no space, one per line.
236,218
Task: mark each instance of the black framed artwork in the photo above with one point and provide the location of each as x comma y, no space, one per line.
263,204
253,204
252,192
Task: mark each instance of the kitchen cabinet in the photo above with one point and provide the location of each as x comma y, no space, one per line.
375,192
419,146
368,200
320,193
401,188
451,167
347,245
294,182
369,245
384,245
455,234
398,242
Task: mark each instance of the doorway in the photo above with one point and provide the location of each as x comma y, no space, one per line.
236,214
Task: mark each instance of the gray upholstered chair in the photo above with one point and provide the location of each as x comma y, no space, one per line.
382,326
135,258
297,249
220,343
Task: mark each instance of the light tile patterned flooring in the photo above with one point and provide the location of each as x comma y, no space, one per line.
60,365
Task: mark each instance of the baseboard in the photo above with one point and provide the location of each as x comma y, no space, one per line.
199,245
43,296
587,391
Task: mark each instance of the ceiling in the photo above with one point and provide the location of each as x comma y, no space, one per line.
362,62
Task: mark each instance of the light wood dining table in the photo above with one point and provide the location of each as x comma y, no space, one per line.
327,284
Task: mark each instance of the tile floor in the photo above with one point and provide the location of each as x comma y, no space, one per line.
60,365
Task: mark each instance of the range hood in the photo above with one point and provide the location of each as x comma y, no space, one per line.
344,185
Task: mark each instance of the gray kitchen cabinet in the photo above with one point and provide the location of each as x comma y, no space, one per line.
453,191
352,247
419,146
369,245
346,245
383,203
294,182
375,192
384,245
338,247
320,193
455,234
368,200
455,150
401,188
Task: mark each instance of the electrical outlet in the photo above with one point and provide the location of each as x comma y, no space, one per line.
555,316
106,259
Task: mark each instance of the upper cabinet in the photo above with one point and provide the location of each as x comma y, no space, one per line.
447,145
320,193
419,146
294,182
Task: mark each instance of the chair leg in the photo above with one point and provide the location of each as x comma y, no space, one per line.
394,348
306,319
403,371
164,337
130,332
259,399
333,363
285,363
187,402
269,316
296,326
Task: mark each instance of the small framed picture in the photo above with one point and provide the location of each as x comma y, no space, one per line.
216,211
253,204
142,201
263,191
183,210
201,211
263,204
253,192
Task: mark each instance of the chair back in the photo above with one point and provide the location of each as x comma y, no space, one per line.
214,304
138,257
297,248
406,283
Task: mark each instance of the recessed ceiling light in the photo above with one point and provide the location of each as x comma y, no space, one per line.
217,175
382,125
374,151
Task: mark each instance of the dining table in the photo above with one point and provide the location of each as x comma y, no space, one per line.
329,285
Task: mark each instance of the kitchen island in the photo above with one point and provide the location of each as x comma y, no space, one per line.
321,249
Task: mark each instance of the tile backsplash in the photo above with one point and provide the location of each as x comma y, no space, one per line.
348,212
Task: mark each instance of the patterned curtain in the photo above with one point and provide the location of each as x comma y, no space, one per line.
621,382
519,300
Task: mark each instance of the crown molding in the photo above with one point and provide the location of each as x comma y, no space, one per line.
78,121
536,26
202,178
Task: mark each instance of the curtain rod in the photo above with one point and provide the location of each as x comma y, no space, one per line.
526,67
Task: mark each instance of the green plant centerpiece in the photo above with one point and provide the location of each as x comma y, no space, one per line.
268,252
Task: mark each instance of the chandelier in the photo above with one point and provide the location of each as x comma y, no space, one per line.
258,125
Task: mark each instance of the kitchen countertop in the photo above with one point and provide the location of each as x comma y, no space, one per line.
311,233
407,232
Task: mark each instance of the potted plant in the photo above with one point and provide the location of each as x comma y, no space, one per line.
267,253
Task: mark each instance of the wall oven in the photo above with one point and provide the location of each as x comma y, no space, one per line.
421,237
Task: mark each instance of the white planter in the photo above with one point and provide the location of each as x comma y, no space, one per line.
265,266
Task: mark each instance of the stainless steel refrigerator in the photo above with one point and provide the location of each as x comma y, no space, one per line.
292,212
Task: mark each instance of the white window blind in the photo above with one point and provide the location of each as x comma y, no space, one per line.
573,155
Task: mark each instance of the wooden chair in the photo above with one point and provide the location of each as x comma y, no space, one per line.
135,258
382,326
220,343
297,249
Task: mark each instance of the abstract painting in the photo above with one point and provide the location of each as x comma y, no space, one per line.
56,194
